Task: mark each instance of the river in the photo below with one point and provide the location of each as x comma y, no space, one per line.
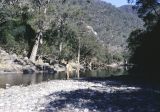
28,79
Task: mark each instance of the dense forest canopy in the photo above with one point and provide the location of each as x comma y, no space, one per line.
55,25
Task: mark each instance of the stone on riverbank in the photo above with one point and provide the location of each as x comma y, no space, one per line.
80,96
11,63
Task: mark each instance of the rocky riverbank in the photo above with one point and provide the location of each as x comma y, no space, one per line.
80,96
11,63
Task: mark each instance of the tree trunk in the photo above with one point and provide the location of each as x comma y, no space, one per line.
67,71
35,47
90,65
60,47
78,59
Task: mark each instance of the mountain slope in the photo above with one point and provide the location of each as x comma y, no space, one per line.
128,9
112,24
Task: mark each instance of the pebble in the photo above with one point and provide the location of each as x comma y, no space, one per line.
35,98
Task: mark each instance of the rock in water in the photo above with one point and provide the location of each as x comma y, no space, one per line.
29,70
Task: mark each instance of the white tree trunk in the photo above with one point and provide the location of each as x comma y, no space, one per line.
35,47
90,65
60,47
78,58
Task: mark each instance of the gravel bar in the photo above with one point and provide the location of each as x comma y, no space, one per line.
79,96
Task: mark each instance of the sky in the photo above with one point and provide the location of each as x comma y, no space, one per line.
117,3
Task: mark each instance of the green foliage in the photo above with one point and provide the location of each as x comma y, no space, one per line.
15,34
148,10
19,23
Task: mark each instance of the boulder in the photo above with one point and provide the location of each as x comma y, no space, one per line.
49,69
29,70
26,58
20,62
13,57
59,68
45,68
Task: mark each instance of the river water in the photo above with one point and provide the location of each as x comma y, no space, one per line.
28,79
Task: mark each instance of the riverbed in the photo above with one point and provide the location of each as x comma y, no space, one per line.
80,96
95,91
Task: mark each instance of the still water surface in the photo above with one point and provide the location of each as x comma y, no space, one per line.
27,79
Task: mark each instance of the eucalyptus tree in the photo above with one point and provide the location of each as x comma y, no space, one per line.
62,34
148,10
35,15
40,24
86,42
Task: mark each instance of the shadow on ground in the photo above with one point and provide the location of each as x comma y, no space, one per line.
99,100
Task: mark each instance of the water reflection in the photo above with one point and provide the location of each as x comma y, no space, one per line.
104,73
27,79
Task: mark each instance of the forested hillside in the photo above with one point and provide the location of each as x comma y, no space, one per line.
98,29
129,9
112,24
